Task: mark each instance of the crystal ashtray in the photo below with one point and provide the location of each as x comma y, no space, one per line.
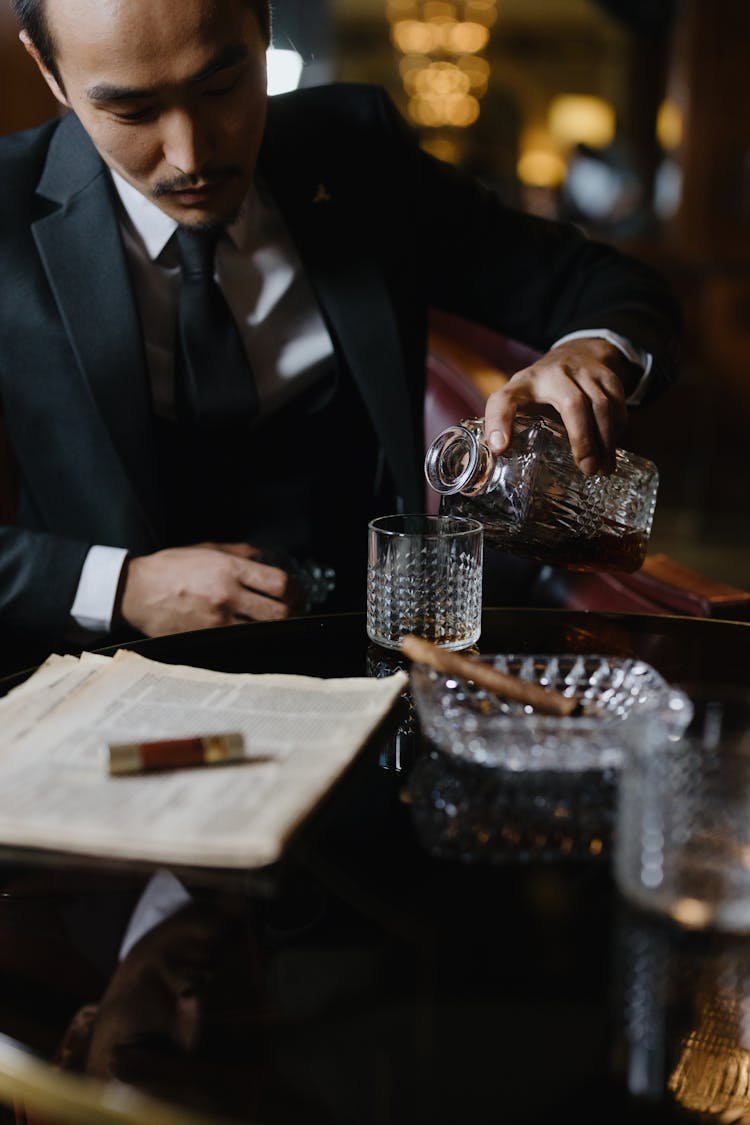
621,700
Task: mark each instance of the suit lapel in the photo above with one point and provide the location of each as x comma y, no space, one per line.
80,247
356,306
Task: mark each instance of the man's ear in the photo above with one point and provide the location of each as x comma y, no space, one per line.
74,1047
47,75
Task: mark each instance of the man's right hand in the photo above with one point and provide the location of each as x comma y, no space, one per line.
204,586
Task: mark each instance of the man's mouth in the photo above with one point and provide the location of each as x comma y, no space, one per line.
197,191
187,191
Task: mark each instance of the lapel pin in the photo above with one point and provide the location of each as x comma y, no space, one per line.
322,194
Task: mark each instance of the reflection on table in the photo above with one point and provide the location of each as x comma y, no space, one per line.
471,813
682,1002
387,970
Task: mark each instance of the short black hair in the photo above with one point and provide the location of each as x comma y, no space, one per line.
32,18
30,15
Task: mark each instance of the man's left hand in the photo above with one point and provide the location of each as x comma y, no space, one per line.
584,380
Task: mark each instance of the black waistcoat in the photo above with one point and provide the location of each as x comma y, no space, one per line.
306,480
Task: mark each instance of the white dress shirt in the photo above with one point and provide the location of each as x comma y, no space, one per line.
262,278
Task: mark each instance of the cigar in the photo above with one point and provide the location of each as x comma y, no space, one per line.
174,753
542,699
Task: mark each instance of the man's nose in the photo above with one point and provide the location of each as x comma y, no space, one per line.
186,143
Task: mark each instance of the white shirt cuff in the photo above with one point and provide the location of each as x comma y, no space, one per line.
642,359
97,588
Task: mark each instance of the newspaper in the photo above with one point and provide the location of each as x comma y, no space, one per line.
56,791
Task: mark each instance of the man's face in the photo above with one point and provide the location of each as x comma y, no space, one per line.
183,1009
172,94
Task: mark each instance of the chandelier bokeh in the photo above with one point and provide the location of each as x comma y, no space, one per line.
442,68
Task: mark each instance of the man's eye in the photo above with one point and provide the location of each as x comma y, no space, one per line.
133,115
225,88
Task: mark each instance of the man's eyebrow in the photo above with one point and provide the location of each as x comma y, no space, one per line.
104,92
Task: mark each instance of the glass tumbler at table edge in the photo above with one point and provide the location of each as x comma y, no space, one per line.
683,821
424,576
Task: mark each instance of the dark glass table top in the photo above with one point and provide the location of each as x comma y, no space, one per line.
681,648
434,947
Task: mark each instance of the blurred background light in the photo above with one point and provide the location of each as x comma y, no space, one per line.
595,187
541,168
441,70
581,119
540,162
669,125
284,70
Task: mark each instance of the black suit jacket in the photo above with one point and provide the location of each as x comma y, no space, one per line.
384,232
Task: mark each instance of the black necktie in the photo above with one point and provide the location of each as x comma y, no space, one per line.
214,382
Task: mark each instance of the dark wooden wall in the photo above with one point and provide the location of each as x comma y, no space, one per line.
24,97
702,426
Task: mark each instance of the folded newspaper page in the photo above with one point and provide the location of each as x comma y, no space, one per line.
56,791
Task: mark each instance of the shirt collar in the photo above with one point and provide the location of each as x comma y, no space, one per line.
156,228
163,896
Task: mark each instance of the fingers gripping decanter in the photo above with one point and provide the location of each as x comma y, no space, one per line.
533,500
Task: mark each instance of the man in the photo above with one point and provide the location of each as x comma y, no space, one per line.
193,1005
184,1015
336,236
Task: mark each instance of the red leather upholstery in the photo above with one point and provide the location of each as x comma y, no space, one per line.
457,350
501,352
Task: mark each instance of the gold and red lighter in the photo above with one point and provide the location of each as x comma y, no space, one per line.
174,753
